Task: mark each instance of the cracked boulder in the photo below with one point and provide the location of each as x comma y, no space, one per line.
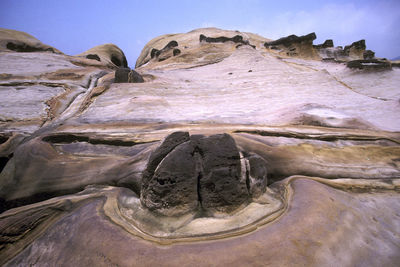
126,75
200,174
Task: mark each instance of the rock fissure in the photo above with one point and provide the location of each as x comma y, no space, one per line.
326,137
70,138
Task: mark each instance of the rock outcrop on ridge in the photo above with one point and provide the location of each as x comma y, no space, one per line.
220,148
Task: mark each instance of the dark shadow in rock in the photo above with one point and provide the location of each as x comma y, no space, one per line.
93,56
36,198
70,138
23,47
165,53
118,62
238,39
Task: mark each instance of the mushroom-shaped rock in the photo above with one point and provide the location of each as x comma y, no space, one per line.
22,42
110,54
370,64
291,39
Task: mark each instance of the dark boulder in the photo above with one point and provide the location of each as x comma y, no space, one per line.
370,64
221,185
369,54
172,188
200,174
291,39
93,56
126,75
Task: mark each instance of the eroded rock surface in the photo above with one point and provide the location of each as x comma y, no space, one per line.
201,174
220,149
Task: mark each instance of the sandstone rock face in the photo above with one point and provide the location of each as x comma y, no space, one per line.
221,149
17,41
110,54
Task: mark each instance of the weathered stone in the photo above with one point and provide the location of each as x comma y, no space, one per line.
369,54
291,39
126,75
22,42
326,44
360,45
238,39
370,64
165,53
202,174
172,190
23,47
170,45
221,186
109,54
170,142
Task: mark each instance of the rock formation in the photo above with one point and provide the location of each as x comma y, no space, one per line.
219,148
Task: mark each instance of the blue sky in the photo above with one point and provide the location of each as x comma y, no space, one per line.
75,26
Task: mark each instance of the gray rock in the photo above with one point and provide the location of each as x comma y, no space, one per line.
172,190
126,75
201,174
221,186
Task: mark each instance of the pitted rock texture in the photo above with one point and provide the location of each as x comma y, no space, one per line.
201,174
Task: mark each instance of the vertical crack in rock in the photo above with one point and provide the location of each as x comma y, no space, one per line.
245,164
198,158
4,161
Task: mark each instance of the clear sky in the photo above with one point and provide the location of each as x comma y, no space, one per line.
74,26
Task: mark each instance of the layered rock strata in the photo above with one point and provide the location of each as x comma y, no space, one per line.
270,155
